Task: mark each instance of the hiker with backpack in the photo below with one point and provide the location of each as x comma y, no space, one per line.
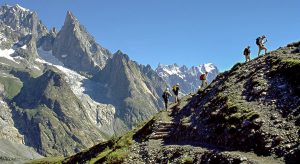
166,96
247,53
175,90
260,41
203,80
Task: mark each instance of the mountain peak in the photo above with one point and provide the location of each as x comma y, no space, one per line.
119,52
22,20
77,49
70,18
120,55
17,6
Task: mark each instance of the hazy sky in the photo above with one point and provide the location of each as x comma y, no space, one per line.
189,32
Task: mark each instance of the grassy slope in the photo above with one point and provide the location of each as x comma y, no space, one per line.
12,86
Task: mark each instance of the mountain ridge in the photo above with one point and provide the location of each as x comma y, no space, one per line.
188,78
249,114
56,86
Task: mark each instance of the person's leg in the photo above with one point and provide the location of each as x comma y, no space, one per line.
259,49
265,49
166,104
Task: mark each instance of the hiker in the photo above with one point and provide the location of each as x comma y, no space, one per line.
247,53
260,41
176,91
166,96
199,91
203,80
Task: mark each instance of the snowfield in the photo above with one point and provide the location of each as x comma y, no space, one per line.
6,54
97,110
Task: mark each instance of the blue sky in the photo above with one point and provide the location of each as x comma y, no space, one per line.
189,32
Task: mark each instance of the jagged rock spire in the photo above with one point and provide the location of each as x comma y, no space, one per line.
77,49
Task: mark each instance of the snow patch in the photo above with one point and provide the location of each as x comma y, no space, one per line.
48,57
64,56
172,70
2,38
6,54
36,67
24,47
209,67
4,64
40,60
75,82
72,78
22,8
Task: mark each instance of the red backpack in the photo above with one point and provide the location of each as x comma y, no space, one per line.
202,77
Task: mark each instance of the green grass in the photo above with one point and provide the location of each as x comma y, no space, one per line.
187,160
103,154
117,156
289,69
291,62
12,86
234,112
56,160
120,148
235,67
118,152
185,120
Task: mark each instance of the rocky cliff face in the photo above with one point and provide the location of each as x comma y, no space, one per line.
188,78
249,114
8,131
61,91
51,117
135,90
77,49
17,22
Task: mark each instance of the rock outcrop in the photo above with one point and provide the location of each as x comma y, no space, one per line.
134,89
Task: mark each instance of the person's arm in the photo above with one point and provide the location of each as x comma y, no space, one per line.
265,41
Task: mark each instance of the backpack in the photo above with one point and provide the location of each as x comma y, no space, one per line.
246,51
202,77
165,95
257,41
174,88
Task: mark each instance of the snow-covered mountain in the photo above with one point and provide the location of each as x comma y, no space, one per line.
61,92
188,78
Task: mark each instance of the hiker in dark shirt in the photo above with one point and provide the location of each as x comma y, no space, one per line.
166,96
247,53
